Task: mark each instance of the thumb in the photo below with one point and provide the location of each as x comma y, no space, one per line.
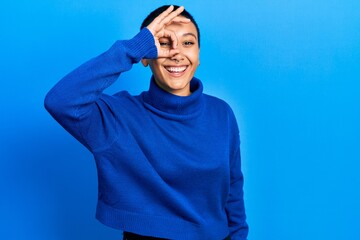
167,53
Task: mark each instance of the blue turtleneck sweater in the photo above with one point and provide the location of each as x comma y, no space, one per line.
168,166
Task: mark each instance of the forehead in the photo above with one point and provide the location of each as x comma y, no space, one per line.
182,28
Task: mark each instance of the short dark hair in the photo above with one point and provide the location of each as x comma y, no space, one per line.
161,9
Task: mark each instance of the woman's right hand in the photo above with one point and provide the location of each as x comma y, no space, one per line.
158,29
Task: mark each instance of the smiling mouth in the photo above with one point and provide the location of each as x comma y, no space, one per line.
177,69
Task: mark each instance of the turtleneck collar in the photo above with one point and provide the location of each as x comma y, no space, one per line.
173,106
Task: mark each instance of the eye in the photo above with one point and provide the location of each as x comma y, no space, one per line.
188,43
165,44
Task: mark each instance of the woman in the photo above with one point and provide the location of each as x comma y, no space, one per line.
168,160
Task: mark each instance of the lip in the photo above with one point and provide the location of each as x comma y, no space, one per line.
176,70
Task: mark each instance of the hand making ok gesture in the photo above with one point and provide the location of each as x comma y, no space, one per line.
158,29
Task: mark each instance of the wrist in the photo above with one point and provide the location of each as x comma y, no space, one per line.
142,45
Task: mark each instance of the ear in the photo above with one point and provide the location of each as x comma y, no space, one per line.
144,62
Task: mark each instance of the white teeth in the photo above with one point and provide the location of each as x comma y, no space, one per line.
176,69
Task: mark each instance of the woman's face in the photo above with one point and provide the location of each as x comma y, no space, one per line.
173,74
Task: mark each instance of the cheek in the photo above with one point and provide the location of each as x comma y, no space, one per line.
195,59
155,65
195,56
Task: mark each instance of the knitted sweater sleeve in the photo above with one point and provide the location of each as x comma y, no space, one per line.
235,207
75,101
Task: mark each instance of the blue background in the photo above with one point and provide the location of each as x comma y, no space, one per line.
290,70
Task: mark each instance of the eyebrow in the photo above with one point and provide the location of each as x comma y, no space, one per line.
189,34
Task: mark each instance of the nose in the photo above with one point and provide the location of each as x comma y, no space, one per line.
177,58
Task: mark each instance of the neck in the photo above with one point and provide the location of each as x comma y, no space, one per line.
163,102
182,92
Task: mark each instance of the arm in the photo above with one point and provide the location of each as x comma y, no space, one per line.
74,101
235,207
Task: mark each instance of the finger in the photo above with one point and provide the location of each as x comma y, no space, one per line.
179,19
172,36
167,17
168,53
172,15
168,34
154,25
164,14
